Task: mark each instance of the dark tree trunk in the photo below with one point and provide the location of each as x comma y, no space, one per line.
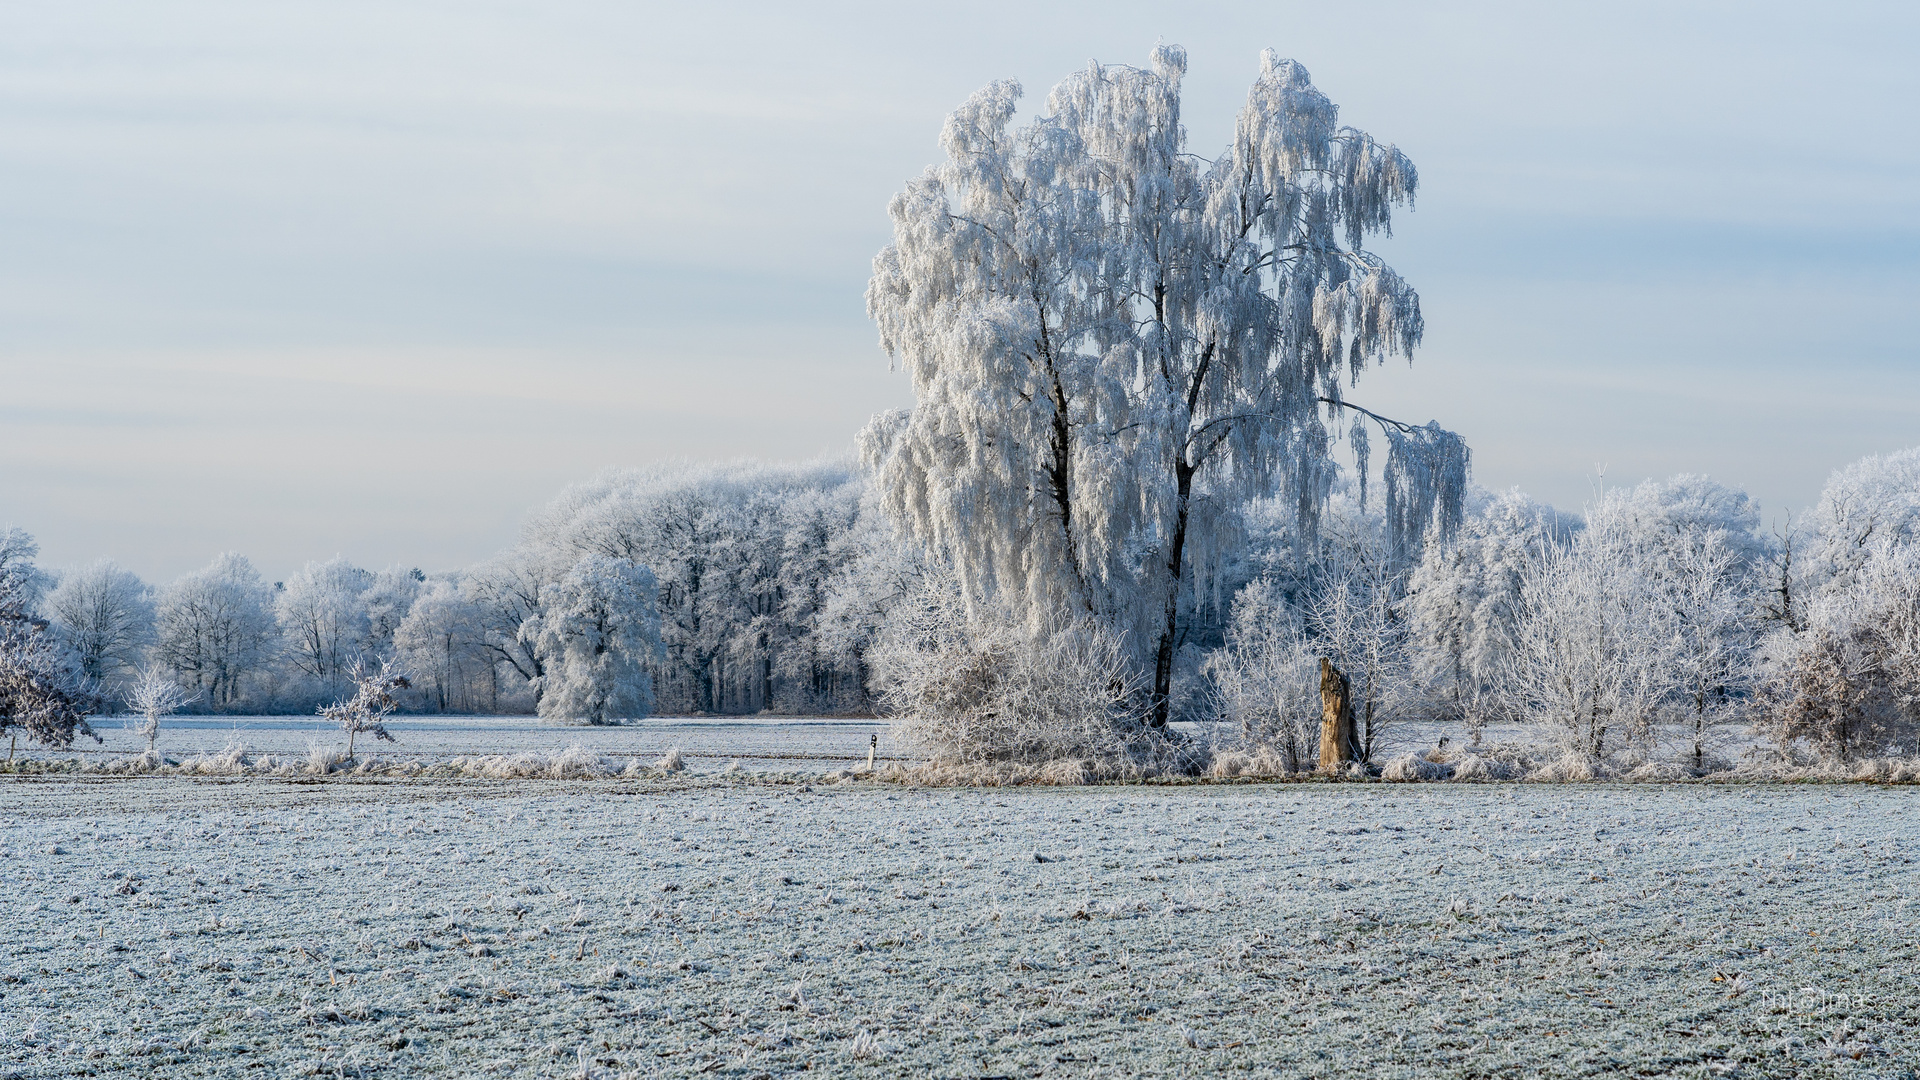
1176,556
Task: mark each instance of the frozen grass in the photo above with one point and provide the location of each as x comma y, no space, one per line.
686,926
1435,765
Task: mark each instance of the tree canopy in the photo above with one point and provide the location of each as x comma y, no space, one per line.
1114,342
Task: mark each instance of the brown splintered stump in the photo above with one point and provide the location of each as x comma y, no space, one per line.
1336,719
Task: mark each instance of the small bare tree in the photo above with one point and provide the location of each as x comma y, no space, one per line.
373,700
153,696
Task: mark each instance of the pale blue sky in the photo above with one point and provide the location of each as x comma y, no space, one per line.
373,279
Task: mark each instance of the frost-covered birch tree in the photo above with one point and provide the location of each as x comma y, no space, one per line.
1114,342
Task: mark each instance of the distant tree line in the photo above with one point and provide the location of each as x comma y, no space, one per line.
682,588
1665,607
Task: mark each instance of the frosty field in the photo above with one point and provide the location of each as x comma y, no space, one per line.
713,925
779,743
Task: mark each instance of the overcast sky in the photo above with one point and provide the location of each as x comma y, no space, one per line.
375,279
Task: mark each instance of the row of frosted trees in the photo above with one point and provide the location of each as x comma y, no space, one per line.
681,588
1663,613
1662,617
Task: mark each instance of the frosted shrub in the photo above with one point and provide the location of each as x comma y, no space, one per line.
983,690
1848,686
322,759
1416,767
1267,681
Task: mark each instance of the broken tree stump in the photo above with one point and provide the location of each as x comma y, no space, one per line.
1336,719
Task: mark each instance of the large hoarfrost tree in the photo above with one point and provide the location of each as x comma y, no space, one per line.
1114,342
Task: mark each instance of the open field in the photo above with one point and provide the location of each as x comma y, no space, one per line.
783,745
767,743
716,926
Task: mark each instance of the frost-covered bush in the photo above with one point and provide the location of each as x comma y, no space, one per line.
597,635
1848,685
982,689
1641,617
1267,679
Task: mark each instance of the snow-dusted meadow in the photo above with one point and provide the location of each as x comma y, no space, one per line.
718,924
779,745
759,743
